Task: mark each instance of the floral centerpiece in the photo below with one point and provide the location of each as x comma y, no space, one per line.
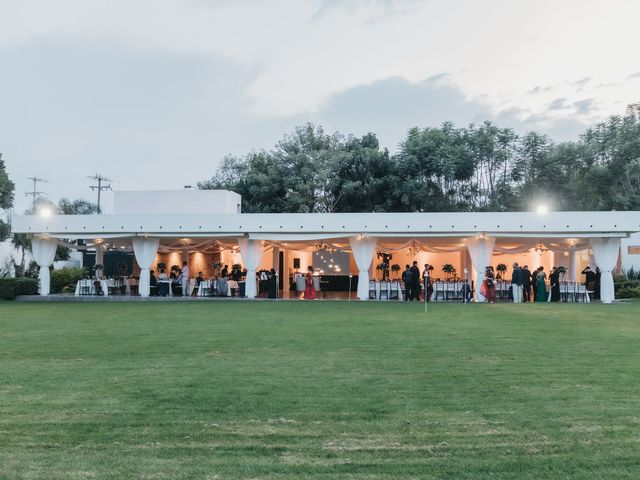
395,268
502,269
216,267
562,270
449,270
383,266
161,266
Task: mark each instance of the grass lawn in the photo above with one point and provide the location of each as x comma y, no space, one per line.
296,390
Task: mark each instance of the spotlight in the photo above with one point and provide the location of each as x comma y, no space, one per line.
542,209
45,212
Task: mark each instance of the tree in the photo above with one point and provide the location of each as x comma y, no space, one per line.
76,207
7,189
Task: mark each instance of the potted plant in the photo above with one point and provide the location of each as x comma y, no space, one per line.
161,266
395,268
448,270
383,266
502,269
562,270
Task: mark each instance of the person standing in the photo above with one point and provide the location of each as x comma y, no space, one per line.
408,287
310,288
526,284
554,283
273,283
184,279
516,283
426,279
541,286
415,281
489,286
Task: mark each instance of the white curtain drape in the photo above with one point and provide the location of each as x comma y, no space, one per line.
481,252
44,252
251,251
363,249
605,254
145,250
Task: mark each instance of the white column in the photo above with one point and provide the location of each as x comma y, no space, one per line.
481,252
44,252
251,251
100,255
605,254
363,249
145,250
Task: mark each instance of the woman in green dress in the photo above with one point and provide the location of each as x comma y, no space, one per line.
541,287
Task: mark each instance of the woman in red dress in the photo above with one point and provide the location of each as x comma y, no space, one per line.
489,286
310,288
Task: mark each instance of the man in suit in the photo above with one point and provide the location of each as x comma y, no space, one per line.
408,286
516,283
415,281
526,284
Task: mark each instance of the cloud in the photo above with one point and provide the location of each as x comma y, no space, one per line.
633,76
540,89
581,83
584,107
558,104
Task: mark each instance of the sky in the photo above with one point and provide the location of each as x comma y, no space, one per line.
153,93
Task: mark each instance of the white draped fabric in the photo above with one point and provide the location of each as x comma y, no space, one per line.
605,254
251,251
145,250
481,252
44,252
363,249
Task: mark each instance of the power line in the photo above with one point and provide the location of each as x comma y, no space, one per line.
35,193
99,187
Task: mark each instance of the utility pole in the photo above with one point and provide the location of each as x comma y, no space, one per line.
35,193
99,187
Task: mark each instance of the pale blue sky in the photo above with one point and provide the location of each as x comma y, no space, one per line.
153,93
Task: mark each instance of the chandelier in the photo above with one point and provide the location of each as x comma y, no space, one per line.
540,248
324,247
413,249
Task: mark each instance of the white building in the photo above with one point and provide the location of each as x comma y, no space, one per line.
202,226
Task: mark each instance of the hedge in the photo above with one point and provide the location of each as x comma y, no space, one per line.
10,287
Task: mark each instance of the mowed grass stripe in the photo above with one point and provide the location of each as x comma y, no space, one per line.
319,390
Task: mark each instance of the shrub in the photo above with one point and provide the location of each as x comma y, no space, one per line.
628,292
7,288
65,279
26,286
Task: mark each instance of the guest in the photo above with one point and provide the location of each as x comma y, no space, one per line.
222,287
236,273
590,278
516,283
415,281
98,287
199,279
488,289
596,284
526,284
534,281
273,283
466,291
184,278
541,286
153,281
244,274
225,271
554,283
427,285
408,284
162,275
310,288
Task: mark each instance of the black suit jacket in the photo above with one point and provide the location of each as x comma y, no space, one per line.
516,276
526,277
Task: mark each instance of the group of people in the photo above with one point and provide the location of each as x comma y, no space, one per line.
414,283
526,286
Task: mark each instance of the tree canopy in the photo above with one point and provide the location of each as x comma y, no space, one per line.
474,168
6,199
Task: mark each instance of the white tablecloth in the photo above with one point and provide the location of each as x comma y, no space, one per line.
207,284
388,289
89,283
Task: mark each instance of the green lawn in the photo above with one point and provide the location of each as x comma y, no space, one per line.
296,390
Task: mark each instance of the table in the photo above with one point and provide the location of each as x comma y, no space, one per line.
88,283
388,288
208,284
165,287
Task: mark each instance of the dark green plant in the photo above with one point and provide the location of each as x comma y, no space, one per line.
65,279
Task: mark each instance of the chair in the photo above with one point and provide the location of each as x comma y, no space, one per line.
372,290
85,287
438,291
205,288
581,293
384,290
394,291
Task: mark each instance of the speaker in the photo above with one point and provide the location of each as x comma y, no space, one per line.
296,263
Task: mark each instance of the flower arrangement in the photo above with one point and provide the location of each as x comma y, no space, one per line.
395,268
161,266
449,270
215,266
562,270
383,266
502,268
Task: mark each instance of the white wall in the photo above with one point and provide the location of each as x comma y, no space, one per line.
176,202
628,259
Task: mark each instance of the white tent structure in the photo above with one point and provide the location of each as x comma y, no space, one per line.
208,221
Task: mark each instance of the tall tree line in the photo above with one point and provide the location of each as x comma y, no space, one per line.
475,168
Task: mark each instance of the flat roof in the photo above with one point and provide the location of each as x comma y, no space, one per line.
300,226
